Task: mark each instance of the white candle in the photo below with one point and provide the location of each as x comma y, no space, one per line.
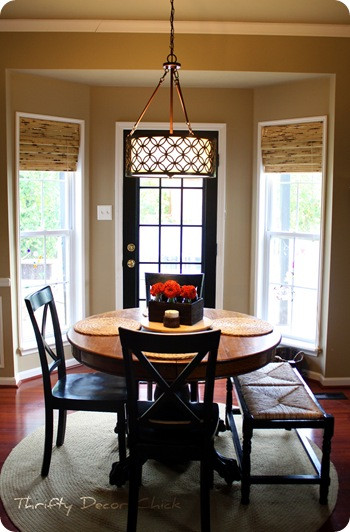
171,313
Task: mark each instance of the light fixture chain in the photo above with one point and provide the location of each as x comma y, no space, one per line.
172,56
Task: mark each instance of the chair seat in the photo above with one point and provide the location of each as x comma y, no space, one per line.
179,431
91,386
273,374
280,402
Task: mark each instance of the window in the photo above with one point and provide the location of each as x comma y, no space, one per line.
49,203
291,199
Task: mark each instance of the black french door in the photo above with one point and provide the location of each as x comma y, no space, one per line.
169,225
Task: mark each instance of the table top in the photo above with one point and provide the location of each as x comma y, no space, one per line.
236,354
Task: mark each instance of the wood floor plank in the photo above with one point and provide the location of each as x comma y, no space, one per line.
22,412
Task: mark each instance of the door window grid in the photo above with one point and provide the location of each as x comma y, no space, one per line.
172,235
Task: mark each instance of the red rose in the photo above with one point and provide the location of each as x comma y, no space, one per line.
156,289
171,289
188,291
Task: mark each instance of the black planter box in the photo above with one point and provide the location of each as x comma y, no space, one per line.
190,313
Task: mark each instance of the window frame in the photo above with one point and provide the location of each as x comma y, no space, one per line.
74,233
263,236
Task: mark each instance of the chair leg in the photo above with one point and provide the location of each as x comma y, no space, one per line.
325,463
206,474
133,502
121,429
246,450
61,430
48,442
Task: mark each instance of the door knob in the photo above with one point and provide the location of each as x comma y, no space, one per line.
131,247
131,263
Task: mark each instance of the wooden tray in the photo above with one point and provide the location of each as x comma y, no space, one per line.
156,326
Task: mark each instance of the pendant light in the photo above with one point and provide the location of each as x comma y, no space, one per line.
169,154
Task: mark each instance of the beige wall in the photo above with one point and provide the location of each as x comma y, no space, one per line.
233,107
301,99
103,106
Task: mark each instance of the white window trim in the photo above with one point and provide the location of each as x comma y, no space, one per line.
76,266
221,205
259,246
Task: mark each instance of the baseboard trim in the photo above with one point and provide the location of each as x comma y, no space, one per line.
328,381
31,374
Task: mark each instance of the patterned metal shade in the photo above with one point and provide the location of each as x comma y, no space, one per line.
170,155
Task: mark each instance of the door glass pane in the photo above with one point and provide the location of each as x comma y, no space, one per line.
192,244
170,182
170,244
149,244
192,207
149,182
149,206
170,268
142,283
192,268
193,183
171,206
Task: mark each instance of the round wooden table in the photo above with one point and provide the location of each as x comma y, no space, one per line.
237,354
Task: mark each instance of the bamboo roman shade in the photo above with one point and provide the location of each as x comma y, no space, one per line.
48,145
292,147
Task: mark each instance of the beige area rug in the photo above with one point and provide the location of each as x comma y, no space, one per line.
77,496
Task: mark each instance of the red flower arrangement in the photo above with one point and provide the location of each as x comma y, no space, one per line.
171,296
171,290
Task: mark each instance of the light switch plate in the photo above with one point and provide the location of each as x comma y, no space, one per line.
104,212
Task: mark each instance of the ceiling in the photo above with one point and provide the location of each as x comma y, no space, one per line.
281,11
308,17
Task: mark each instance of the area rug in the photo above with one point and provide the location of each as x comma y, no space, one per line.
77,495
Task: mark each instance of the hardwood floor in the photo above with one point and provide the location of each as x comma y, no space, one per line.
22,411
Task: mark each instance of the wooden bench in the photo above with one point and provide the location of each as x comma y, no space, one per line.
277,397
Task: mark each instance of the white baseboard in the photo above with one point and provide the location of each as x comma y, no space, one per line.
328,381
30,373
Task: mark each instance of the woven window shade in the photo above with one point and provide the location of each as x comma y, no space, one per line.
48,145
292,147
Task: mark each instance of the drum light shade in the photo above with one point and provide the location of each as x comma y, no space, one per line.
170,156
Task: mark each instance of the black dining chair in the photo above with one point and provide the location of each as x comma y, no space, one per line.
195,279
170,427
98,392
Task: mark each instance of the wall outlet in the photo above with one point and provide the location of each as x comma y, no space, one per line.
104,212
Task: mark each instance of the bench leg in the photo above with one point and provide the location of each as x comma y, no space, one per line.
325,463
247,432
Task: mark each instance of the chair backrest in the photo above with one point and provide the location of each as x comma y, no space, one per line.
138,347
195,279
44,299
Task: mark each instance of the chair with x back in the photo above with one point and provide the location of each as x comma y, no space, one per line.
170,427
195,279
96,392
